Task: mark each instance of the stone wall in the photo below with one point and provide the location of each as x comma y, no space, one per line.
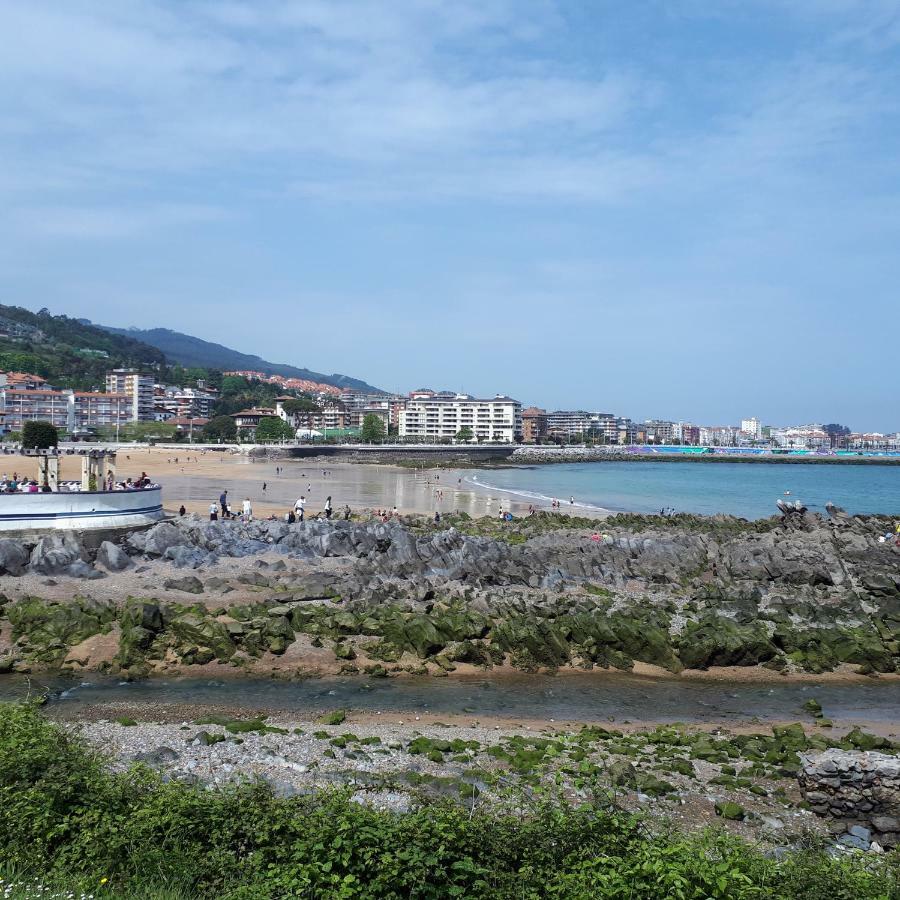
859,790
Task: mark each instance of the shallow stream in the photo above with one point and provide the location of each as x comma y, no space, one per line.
589,697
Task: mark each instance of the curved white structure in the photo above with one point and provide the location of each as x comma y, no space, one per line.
82,510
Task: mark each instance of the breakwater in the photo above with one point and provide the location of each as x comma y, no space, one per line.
547,455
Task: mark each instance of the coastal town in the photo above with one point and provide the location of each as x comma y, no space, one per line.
309,411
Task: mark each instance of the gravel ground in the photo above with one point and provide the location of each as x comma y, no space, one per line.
374,758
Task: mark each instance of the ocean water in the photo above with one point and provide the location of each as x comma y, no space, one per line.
749,490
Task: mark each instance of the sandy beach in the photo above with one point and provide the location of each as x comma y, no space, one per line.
197,478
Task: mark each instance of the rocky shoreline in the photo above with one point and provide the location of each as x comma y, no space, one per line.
792,594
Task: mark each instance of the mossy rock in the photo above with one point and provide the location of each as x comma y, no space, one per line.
681,766
863,740
734,812
653,786
344,651
204,632
50,627
717,641
622,773
813,707
333,718
790,737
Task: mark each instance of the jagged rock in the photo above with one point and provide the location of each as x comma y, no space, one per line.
157,539
188,557
57,553
112,557
13,557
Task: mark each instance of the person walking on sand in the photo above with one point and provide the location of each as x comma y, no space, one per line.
247,510
213,512
223,503
328,507
299,507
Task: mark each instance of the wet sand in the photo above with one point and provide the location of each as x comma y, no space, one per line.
198,478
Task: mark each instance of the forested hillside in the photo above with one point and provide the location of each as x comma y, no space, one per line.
69,353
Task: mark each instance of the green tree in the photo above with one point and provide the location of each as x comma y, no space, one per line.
39,435
464,435
271,428
300,405
221,428
234,384
372,429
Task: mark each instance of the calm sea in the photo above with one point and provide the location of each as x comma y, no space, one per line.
742,489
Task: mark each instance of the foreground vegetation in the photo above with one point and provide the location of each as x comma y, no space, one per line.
69,821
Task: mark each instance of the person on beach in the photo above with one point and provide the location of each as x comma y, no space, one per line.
291,518
213,512
181,510
300,507
223,503
347,512
247,510
264,487
328,507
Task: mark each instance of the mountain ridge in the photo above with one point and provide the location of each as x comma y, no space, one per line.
187,350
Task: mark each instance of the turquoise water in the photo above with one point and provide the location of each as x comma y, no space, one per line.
742,489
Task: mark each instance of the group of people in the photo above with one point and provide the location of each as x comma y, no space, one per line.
224,509
297,513
16,485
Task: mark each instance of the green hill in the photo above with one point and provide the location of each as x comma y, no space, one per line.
69,353
187,350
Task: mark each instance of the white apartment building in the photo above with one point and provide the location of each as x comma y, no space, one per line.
139,387
434,416
800,437
719,436
752,427
659,431
186,402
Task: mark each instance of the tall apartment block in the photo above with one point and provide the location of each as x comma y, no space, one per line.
138,386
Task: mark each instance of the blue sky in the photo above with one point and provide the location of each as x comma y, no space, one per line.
670,208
